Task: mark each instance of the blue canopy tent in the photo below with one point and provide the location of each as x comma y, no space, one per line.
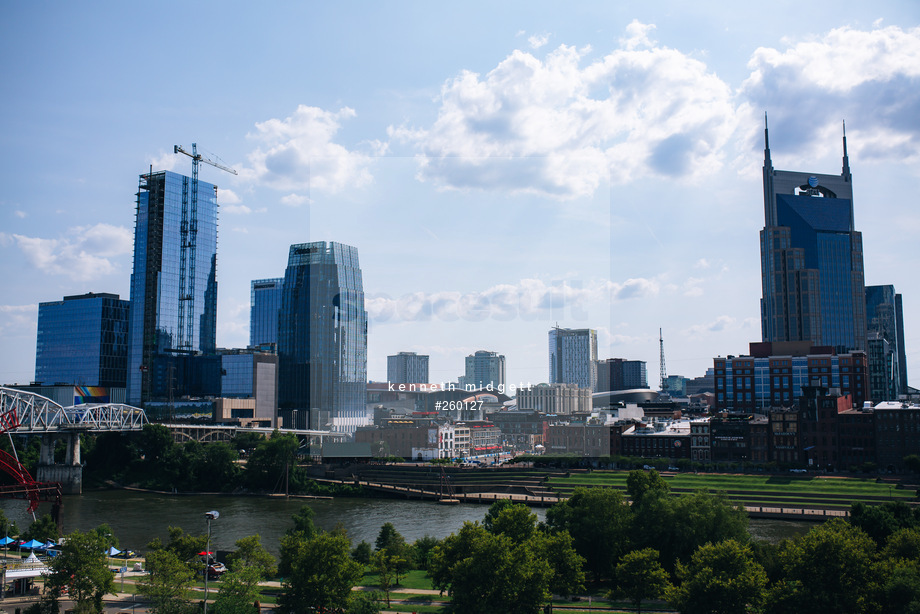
6,541
112,551
32,544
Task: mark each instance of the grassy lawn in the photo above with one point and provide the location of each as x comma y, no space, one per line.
803,488
416,579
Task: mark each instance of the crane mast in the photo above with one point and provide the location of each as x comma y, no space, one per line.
188,231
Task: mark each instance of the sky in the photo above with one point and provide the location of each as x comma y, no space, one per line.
501,167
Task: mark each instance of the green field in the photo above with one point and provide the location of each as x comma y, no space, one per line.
767,490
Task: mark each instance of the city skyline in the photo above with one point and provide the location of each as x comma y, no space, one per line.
594,166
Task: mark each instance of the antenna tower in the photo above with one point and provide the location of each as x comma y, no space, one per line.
664,370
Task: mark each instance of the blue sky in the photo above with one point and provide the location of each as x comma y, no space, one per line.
501,167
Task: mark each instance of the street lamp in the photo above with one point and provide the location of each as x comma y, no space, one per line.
212,515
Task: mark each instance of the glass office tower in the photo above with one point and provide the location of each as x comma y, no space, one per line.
573,357
264,305
322,338
173,315
811,259
82,340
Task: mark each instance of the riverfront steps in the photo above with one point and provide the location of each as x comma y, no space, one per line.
754,511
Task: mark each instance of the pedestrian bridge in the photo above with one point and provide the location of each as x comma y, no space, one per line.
25,412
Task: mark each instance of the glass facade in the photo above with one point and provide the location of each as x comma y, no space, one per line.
811,260
484,368
264,305
173,284
322,335
573,357
82,340
407,368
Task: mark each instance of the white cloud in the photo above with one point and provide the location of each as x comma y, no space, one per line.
555,127
294,200
16,318
164,161
83,253
721,323
870,77
20,214
298,152
528,299
229,197
538,40
237,209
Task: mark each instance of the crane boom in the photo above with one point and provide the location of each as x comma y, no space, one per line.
197,157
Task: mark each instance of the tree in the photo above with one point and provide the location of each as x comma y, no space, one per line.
912,462
421,550
677,526
490,574
82,570
107,534
362,553
322,575
903,544
250,553
269,461
827,570
156,441
390,540
43,529
639,482
185,546
294,538
598,520
721,578
239,590
7,527
558,550
512,519
880,521
218,467
168,578
639,576
385,564
363,603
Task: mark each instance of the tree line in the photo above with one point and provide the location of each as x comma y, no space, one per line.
692,552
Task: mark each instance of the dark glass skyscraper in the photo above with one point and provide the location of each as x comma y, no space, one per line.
82,340
811,258
887,357
322,338
173,286
264,306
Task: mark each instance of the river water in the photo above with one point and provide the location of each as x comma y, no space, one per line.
138,517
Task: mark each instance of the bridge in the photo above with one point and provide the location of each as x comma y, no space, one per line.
27,413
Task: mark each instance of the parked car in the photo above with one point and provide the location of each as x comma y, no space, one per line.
216,570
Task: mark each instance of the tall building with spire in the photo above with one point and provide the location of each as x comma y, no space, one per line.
811,258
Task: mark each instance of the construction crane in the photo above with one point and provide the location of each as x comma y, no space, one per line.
188,230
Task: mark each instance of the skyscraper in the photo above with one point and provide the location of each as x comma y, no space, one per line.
82,340
887,357
322,338
407,368
573,357
264,306
484,368
173,315
811,258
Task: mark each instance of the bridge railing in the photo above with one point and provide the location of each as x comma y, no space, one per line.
24,411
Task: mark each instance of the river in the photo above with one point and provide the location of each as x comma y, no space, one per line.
138,517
